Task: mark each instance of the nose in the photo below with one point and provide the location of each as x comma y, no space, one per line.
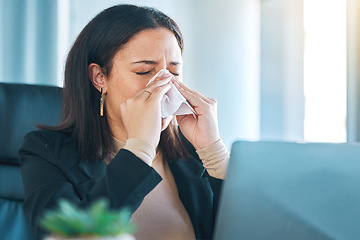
162,64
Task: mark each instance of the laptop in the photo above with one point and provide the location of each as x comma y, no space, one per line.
288,191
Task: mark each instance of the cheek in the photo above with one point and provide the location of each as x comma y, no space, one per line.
132,85
126,89
133,89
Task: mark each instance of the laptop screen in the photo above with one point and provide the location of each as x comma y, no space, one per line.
282,190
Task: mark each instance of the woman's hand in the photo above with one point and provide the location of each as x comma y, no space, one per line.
201,131
141,114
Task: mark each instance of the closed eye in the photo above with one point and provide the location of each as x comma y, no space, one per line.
143,73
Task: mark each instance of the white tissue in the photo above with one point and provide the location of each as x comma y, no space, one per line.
173,102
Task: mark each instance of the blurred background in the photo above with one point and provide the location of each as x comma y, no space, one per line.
279,69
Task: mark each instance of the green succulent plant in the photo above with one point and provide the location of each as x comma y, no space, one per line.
97,220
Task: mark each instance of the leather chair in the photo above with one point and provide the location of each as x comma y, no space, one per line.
21,108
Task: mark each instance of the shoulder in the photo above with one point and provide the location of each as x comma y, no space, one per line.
46,135
44,138
47,144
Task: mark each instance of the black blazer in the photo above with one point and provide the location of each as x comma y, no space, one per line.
52,169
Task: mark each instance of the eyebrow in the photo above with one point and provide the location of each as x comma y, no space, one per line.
154,62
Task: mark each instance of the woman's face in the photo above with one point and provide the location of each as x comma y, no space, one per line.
137,62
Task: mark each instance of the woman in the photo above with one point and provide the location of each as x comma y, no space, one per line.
112,141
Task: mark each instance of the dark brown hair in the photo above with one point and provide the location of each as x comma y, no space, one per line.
98,43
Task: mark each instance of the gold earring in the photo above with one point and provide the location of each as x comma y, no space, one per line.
101,103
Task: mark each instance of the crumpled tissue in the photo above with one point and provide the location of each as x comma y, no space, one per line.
173,102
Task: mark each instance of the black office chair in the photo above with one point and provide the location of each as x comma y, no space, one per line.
21,108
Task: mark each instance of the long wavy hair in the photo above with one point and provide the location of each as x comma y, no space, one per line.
98,43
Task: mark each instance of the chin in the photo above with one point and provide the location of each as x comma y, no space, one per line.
165,122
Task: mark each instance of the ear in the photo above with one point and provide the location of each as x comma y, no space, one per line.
97,77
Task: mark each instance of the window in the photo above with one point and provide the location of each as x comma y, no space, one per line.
325,70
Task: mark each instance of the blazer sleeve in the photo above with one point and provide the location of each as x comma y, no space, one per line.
215,183
125,183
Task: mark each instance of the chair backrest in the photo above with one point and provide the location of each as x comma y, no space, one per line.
21,108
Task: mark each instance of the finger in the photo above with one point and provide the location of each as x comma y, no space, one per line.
183,89
158,93
193,97
180,118
158,82
195,101
145,92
